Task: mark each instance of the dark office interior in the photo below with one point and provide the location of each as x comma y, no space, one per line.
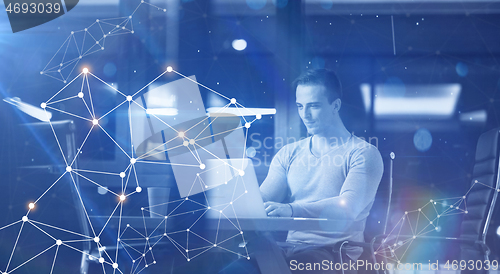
420,79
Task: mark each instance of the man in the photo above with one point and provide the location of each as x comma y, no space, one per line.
331,174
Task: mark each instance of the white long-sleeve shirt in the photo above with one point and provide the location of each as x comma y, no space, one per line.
340,185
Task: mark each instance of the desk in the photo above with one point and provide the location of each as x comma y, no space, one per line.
268,253
246,224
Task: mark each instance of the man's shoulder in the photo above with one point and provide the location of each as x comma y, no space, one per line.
362,147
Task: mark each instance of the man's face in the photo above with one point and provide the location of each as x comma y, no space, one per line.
314,109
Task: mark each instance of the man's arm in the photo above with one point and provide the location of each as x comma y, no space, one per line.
358,190
275,187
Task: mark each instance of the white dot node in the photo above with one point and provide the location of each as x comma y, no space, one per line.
248,258
187,250
147,265
419,209
154,262
147,238
466,212
133,160
375,252
72,32
115,265
117,26
43,105
437,228
130,16
215,245
122,174
128,225
456,207
95,122
166,217
58,70
25,218
64,81
96,239
58,242
85,29
191,142
129,98
41,72
439,216
431,222
185,143
188,260
475,181
31,205
68,169
225,183
208,207
197,174
169,69
241,232
233,101
133,261
202,166
80,57
102,48
258,116
230,203
80,94
220,211
164,234
101,260
463,197
97,42
132,32
143,255
241,172
122,197
142,1
451,206
246,191
142,208
118,239
406,212
247,125
432,201
181,134
97,20
164,10
138,189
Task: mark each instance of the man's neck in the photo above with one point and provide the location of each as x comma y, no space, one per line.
331,137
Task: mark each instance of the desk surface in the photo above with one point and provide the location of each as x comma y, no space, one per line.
246,224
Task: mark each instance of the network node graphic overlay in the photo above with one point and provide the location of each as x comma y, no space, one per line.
205,151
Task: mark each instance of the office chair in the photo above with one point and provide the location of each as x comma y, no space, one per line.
480,203
45,157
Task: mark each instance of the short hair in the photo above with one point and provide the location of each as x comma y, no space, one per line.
322,77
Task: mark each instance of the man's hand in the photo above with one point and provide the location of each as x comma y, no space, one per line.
278,209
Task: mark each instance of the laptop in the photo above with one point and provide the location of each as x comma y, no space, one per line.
240,197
